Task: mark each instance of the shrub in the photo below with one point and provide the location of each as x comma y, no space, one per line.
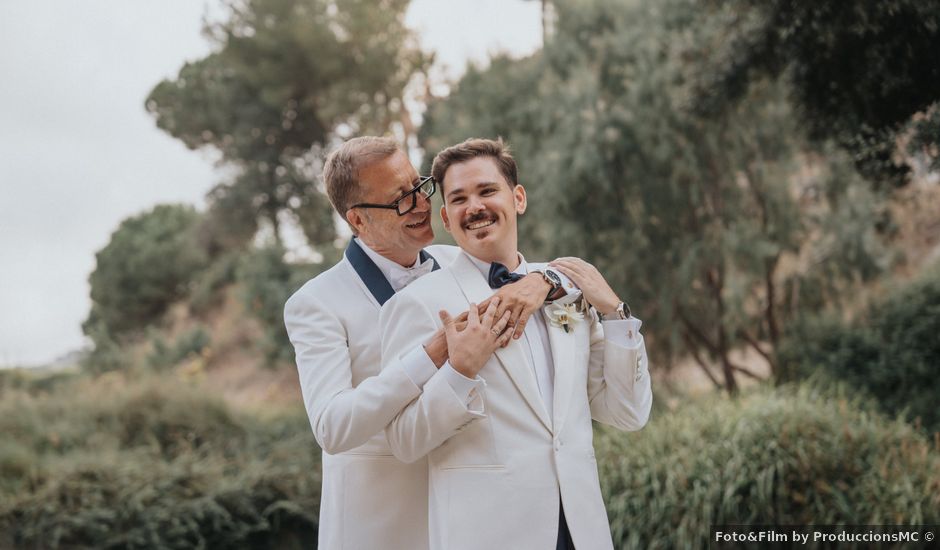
785,456
891,352
148,263
207,288
190,343
154,463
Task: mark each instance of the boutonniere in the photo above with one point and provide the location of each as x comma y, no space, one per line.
564,316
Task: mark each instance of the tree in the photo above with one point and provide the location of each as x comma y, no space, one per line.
146,266
858,71
285,78
702,221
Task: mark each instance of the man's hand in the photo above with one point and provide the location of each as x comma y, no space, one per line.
436,348
469,349
521,299
593,285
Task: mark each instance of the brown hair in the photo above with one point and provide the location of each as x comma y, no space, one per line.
471,149
341,171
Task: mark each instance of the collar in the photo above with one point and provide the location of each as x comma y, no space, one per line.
484,267
375,280
388,268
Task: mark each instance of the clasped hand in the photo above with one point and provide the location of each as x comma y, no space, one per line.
471,344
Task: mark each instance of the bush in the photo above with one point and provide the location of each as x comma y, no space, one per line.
147,265
153,464
190,343
787,456
160,464
891,352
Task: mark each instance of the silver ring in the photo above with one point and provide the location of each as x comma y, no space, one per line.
494,331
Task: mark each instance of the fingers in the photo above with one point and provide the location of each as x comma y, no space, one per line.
504,339
473,318
503,331
520,329
567,271
500,326
448,321
573,265
577,273
520,319
490,314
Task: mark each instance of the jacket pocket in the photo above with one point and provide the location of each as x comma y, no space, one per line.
472,447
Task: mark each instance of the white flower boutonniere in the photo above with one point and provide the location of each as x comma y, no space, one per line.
564,316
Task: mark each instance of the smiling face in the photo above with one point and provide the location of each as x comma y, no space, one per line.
398,238
480,210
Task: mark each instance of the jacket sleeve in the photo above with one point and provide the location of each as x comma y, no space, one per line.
438,413
619,387
342,417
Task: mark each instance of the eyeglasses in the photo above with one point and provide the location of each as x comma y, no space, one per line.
407,202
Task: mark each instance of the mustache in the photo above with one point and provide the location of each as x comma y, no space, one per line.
478,217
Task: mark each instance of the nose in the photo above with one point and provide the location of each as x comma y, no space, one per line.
474,204
423,203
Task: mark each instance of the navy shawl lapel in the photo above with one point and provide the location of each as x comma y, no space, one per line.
370,273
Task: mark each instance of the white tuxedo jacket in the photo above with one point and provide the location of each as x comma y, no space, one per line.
495,479
369,499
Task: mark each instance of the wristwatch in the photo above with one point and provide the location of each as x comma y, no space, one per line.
622,312
552,279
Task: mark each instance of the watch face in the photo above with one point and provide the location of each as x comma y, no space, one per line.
553,277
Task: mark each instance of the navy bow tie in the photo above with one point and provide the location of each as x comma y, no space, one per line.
501,276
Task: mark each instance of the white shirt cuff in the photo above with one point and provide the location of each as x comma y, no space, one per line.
418,366
469,391
623,332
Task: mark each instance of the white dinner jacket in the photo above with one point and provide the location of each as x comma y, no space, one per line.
368,498
495,479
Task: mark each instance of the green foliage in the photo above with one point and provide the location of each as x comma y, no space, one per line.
147,265
162,463
690,217
157,464
286,76
790,456
858,70
189,343
892,351
207,292
267,281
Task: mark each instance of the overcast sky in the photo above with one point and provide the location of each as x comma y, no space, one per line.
79,153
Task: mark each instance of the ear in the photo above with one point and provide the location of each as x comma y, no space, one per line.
354,217
444,218
518,193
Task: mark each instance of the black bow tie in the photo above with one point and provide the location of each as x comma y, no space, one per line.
501,276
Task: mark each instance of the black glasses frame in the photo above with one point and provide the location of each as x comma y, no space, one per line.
413,195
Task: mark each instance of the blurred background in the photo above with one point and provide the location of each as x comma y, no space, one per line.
760,180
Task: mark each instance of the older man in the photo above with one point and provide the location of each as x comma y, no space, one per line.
511,464
369,499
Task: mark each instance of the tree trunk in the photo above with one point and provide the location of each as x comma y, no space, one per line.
716,279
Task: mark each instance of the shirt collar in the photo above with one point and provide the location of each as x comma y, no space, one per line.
484,267
385,265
